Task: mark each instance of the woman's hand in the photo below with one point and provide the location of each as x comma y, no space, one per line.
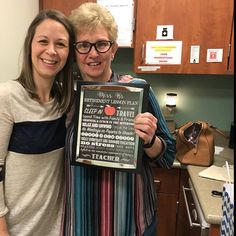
145,125
125,78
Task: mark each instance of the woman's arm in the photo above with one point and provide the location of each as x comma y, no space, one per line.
164,157
6,125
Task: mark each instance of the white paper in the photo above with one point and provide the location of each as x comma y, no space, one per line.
123,12
218,150
148,68
217,173
163,52
194,54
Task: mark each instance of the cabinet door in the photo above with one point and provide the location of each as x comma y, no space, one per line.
166,214
204,23
62,5
166,180
167,187
183,226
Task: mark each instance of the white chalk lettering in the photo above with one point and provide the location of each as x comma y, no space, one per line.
104,157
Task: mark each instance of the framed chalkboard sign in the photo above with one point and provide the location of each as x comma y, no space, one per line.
104,133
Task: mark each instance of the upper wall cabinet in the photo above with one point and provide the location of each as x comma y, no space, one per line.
118,8
190,37
62,5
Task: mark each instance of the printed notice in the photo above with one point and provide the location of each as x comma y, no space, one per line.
125,24
163,52
105,128
215,55
194,54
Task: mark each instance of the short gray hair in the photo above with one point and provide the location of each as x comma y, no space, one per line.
88,16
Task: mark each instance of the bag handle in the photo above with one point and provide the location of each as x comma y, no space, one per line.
219,131
175,132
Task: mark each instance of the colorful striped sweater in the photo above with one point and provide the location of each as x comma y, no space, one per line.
103,202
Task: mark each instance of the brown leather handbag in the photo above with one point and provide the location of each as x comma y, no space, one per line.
195,143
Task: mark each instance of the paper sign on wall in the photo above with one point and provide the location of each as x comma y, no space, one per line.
164,32
125,24
215,55
163,52
194,54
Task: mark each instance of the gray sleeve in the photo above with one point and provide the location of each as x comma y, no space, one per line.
6,125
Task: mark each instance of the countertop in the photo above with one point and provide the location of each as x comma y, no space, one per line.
211,206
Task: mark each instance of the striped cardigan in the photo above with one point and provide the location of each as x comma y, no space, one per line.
104,202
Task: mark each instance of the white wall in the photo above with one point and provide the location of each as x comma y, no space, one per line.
15,17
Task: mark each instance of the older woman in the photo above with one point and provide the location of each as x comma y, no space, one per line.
109,202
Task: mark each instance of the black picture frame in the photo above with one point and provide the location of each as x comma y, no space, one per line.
104,135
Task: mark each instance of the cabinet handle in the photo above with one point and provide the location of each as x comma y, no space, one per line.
157,183
194,213
187,207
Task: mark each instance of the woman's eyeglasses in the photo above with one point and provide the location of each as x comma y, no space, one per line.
85,47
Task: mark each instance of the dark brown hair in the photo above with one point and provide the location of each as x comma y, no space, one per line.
62,89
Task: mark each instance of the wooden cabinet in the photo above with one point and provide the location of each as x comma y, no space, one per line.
172,217
62,5
208,24
205,23
125,32
167,187
183,226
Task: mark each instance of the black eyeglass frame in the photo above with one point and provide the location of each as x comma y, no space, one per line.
93,45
